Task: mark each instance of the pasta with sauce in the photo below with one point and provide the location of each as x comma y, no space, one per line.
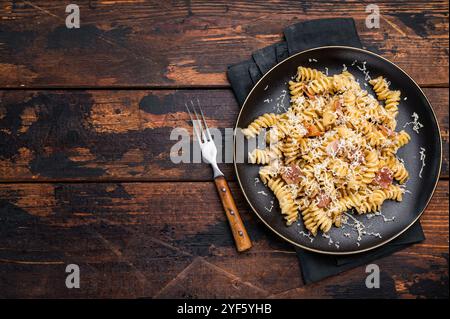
333,150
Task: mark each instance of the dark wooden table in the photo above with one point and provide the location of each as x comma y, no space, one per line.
85,175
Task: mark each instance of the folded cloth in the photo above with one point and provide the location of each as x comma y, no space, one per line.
319,33
317,266
244,75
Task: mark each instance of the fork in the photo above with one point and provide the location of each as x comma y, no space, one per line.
209,154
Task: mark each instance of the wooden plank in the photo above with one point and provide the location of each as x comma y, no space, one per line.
136,240
410,283
119,135
136,43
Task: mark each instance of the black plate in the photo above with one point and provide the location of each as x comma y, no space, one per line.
263,99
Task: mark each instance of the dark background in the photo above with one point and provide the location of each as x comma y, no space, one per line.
85,175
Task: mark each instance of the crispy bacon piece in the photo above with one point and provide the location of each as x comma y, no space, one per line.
337,105
312,97
356,156
384,177
332,148
324,200
386,131
291,174
312,130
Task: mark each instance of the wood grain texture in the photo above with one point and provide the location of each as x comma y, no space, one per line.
121,135
184,43
240,235
134,240
99,189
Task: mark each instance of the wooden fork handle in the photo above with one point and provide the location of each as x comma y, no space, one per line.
240,235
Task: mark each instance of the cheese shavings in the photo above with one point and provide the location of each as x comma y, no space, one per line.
270,208
415,123
422,159
307,235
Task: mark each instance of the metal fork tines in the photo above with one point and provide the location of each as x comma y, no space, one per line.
204,138
209,154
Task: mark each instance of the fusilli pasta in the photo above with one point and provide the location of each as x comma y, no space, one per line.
333,150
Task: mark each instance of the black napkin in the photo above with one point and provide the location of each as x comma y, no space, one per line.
244,75
316,267
299,37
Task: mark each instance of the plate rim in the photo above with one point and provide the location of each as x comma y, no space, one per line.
358,250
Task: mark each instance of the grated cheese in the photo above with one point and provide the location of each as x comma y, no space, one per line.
357,225
364,70
415,123
385,219
280,102
307,235
422,159
270,208
330,240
